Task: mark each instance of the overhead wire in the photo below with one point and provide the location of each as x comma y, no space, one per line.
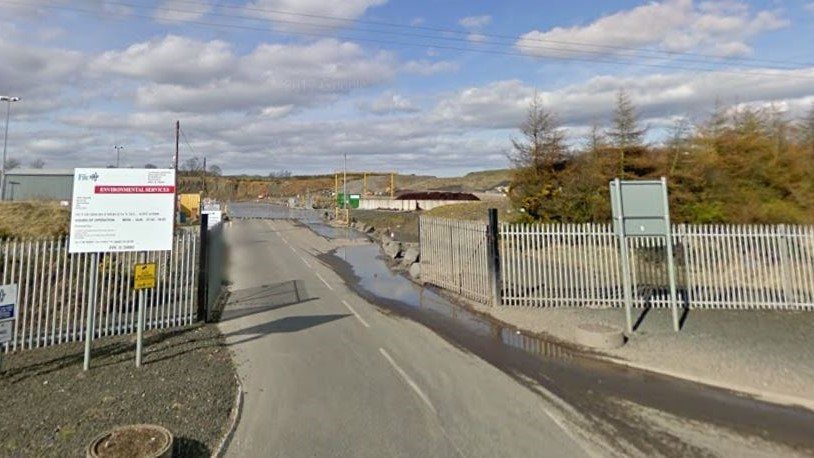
351,21
766,72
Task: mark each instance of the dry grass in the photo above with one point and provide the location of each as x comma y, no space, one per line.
475,211
33,219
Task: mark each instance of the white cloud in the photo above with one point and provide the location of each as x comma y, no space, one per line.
503,104
427,68
389,103
810,7
301,14
181,10
476,37
475,22
210,76
674,25
172,59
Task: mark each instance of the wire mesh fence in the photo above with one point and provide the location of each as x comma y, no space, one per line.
53,288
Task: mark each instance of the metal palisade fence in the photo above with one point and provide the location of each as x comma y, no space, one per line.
717,266
53,290
454,256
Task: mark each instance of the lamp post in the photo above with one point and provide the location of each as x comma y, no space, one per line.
118,149
8,100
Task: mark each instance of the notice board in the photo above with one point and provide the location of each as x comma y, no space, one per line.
119,210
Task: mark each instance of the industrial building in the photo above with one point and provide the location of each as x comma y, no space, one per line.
38,184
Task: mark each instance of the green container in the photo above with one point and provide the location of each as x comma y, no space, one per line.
352,200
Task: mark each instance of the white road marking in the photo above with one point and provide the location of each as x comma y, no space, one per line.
358,317
407,379
305,261
323,281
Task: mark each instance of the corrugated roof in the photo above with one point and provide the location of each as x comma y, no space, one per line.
41,172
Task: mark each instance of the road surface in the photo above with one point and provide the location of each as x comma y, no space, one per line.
328,369
327,374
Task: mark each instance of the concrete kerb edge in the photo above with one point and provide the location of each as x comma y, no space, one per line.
234,416
760,395
765,396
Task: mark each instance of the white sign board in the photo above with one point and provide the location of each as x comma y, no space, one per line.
214,217
8,302
8,312
118,210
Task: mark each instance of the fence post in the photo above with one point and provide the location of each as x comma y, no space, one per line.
785,267
493,256
203,252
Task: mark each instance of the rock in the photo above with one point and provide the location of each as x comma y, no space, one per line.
411,256
415,270
599,336
369,230
393,249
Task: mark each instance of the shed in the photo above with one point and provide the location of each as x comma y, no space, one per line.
38,184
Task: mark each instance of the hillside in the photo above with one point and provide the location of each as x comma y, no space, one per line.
244,187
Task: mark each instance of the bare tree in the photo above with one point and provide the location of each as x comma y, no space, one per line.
807,131
215,170
12,164
37,164
625,131
595,140
192,164
280,174
150,166
543,140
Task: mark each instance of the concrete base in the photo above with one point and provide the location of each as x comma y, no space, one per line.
599,336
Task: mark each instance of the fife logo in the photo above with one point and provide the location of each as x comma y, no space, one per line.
92,177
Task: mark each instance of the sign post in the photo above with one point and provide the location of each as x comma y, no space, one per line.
642,209
145,278
8,313
119,210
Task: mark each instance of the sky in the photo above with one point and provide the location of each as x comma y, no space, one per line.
427,87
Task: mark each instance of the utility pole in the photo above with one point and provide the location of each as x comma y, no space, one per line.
345,187
203,175
118,149
8,100
175,167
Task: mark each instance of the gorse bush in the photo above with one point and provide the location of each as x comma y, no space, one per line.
742,165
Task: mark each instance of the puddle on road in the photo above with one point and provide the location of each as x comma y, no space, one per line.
376,277
592,386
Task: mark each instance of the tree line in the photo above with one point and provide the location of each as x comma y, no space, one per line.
741,164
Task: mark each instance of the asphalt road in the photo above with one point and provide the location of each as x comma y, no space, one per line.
340,357
326,373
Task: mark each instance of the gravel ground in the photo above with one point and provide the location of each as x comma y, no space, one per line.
768,352
50,407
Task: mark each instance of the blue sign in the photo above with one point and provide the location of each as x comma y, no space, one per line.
7,312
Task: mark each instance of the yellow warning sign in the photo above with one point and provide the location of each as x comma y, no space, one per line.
145,276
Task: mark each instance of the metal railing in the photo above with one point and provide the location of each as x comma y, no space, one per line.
542,265
717,266
454,256
53,290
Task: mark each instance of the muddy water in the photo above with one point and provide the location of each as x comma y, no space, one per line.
595,388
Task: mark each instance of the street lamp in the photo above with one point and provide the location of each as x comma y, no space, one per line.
8,100
118,149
